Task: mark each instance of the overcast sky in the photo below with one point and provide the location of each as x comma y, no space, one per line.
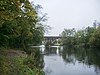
70,13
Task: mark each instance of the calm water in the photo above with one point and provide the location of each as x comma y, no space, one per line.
68,61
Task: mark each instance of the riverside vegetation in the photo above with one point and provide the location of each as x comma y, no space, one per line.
86,37
20,27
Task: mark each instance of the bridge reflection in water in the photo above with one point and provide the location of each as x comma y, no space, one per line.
52,49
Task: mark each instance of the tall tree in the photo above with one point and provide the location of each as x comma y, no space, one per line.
95,39
19,24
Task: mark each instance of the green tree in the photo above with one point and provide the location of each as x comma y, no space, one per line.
95,39
20,24
88,33
68,37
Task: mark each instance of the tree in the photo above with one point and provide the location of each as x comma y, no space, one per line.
68,37
95,39
20,24
88,33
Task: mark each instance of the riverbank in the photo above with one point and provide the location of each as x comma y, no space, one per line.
16,62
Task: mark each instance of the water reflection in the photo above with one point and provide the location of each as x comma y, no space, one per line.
83,61
61,60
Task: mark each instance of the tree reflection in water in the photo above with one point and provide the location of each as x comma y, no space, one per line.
89,57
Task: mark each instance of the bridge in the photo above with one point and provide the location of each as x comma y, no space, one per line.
52,40
52,37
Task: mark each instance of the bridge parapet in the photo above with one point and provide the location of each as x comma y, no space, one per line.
51,39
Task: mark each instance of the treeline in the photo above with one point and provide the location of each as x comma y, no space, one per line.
20,24
87,37
20,27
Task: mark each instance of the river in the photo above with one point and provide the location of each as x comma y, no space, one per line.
60,60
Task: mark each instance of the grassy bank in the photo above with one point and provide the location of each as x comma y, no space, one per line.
15,62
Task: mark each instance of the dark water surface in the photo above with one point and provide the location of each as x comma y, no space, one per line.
61,60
